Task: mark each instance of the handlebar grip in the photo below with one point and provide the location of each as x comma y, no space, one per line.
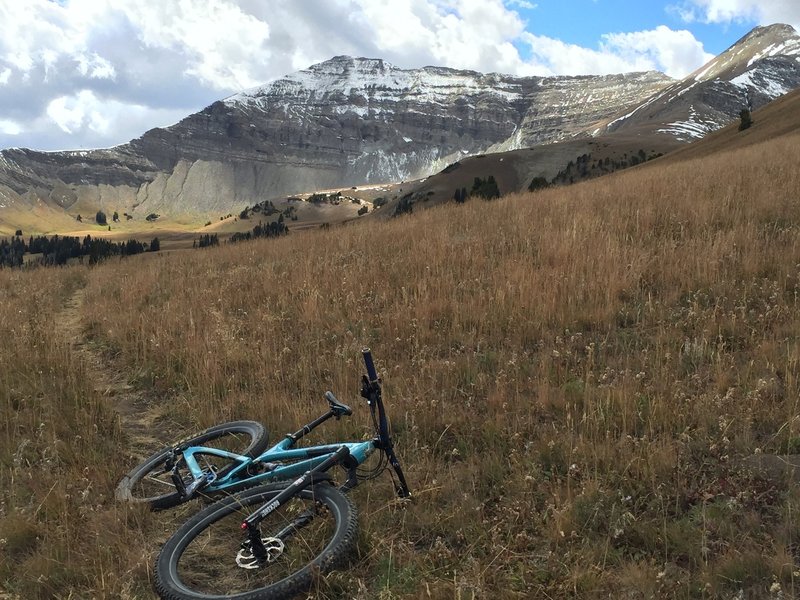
372,374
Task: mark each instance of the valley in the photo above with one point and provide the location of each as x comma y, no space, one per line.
593,387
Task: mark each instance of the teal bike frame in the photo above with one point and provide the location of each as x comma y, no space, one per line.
283,462
303,459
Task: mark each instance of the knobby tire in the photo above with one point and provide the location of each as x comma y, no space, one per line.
199,560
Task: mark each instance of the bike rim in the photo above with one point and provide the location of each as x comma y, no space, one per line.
210,561
157,481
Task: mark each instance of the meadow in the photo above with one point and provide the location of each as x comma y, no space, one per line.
578,381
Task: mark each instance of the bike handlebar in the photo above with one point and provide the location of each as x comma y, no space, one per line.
372,374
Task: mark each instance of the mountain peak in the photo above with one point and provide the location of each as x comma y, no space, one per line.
758,68
760,43
768,36
774,29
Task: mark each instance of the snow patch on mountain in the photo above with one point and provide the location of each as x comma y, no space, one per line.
786,48
347,78
694,128
762,82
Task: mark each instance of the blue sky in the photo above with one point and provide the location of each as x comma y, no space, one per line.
95,73
583,22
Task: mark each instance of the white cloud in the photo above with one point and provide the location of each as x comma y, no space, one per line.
85,115
521,4
223,44
72,113
675,53
763,12
10,127
84,72
466,34
96,67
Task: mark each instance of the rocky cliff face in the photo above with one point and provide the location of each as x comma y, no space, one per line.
383,123
351,121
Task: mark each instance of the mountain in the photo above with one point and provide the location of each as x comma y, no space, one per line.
351,121
760,67
516,169
342,122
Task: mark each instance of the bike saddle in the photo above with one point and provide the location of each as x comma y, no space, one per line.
337,407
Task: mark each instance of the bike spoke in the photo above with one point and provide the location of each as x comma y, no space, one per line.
209,563
168,484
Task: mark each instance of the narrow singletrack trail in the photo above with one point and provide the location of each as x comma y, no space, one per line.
140,413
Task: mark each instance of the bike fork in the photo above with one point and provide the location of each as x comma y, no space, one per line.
251,523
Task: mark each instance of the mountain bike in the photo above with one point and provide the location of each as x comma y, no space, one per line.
282,522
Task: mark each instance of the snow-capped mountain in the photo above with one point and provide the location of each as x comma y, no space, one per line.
762,66
350,121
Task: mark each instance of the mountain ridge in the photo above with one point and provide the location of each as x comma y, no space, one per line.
351,121
758,68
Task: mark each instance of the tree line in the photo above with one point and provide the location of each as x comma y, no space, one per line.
58,250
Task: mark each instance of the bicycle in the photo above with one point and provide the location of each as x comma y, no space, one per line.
282,523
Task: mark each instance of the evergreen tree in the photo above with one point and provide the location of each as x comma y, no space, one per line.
485,188
100,218
460,195
746,119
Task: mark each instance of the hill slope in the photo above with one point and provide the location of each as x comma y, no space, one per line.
515,170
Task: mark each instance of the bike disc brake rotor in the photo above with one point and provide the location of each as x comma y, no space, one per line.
247,560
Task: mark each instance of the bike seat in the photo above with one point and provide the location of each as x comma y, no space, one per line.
337,407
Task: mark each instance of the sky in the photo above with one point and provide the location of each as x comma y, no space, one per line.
79,74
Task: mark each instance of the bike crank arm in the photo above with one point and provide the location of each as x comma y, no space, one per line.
250,524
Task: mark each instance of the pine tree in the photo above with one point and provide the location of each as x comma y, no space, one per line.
746,119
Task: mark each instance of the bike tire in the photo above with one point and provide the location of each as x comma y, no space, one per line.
192,563
140,485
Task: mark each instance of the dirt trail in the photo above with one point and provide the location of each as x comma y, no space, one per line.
140,415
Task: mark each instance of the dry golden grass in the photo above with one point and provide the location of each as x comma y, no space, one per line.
573,376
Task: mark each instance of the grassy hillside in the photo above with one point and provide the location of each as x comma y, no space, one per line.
578,379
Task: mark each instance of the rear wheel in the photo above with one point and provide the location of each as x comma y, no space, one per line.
150,481
209,556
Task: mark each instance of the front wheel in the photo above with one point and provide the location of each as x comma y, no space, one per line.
209,556
150,481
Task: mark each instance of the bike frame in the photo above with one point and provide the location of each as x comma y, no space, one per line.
306,461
